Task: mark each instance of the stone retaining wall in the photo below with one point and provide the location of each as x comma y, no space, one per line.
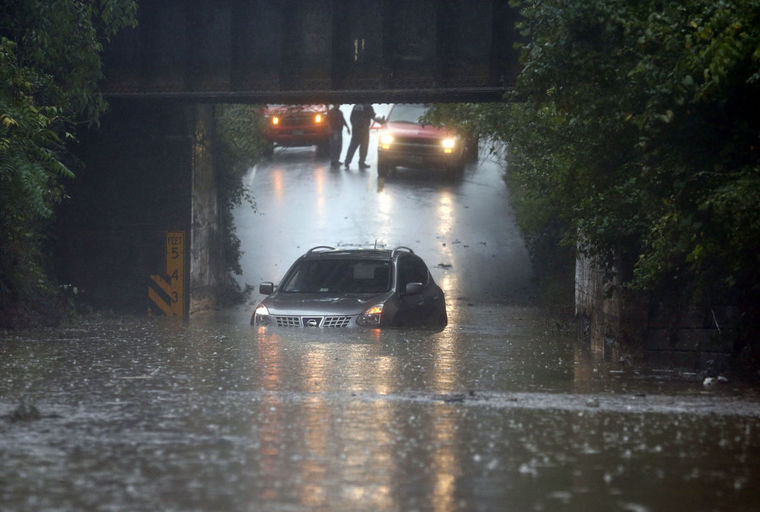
627,327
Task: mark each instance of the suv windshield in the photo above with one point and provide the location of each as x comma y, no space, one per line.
402,113
339,276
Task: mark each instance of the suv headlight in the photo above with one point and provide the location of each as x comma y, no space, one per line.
261,316
372,317
386,139
449,143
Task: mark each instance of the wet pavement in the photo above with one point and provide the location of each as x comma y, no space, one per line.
464,229
499,411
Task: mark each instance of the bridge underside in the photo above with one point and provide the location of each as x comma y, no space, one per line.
316,51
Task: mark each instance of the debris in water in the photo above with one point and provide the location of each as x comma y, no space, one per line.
25,412
450,398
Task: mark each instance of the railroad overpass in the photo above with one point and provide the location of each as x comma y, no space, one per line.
316,51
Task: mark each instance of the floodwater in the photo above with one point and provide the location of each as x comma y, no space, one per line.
502,410
496,412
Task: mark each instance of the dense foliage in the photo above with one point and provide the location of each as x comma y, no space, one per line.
50,65
633,132
240,145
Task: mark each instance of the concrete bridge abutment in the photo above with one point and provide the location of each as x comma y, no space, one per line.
621,325
148,170
206,247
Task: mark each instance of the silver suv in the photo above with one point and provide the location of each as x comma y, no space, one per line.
371,288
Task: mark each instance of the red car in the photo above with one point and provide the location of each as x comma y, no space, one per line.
297,125
405,142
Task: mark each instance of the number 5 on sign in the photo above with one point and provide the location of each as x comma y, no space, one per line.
173,303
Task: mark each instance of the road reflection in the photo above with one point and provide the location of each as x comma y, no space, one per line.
278,187
350,413
319,193
269,427
385,212
445,463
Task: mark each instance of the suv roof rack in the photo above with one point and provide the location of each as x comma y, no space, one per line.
325,247
401,248
377,245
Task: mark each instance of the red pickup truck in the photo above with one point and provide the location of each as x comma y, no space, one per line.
297,125
405,141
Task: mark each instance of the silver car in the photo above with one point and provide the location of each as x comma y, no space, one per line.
369,288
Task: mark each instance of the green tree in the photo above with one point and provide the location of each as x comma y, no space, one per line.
50,66
633,128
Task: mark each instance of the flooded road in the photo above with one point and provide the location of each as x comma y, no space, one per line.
499,411
494,413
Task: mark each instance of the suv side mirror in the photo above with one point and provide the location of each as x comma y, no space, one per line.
413,288
266,288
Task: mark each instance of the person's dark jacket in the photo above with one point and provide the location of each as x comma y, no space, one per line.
336,120
362,116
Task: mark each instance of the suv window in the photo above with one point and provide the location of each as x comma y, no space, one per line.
339,276
411,269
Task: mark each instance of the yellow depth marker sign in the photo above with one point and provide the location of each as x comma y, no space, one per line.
174,288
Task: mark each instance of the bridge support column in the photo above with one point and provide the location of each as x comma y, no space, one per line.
617,324
150,169
206,246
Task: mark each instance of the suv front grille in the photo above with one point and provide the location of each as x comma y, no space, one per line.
297,321
424,147
336,321
288,321
298,120
417,141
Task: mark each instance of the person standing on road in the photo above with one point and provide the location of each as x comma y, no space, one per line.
362,116
336,121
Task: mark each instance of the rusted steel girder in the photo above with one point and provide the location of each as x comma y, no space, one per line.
315,51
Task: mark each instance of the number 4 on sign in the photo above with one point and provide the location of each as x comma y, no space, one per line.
172,300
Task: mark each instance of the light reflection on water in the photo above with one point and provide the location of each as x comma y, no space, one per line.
217,415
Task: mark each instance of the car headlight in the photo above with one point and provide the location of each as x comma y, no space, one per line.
275,120
261,316
318,118
372,317
386,139
449,143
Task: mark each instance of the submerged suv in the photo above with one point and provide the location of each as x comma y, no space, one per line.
372,288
